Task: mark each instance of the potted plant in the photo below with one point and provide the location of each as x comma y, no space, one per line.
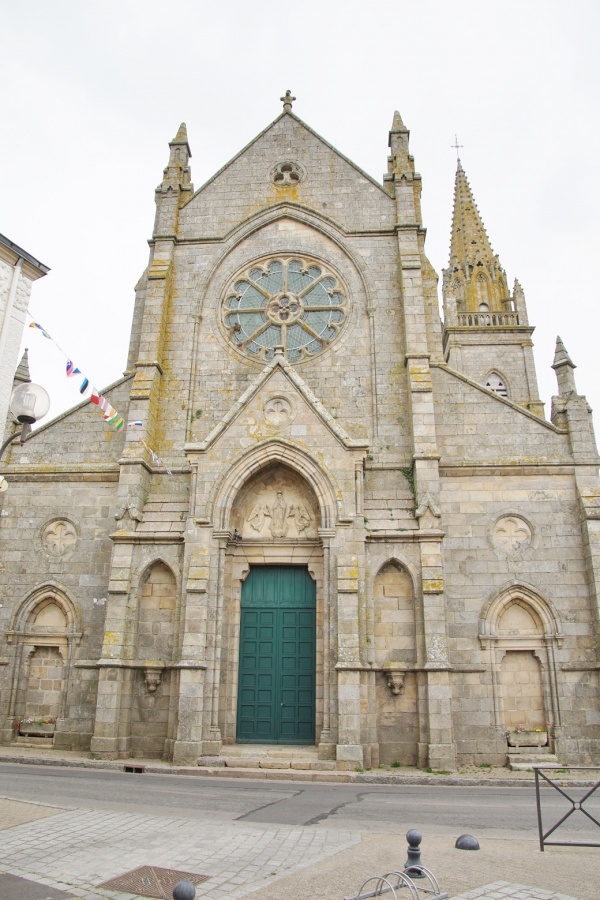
527,736
34,726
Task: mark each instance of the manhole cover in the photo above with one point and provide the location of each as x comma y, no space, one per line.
150,881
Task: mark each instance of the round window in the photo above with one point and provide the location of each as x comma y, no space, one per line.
290,302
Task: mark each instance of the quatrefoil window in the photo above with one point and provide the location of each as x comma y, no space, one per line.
291,302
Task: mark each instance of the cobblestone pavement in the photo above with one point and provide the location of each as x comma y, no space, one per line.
502,890
78,850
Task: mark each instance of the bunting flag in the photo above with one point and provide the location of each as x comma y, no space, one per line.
72,369
155,459
110,413
39,327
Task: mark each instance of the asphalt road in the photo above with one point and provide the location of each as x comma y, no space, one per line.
483,811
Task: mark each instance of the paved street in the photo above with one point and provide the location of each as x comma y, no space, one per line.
71,830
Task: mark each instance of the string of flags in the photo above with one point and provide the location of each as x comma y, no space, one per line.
109,412
155,459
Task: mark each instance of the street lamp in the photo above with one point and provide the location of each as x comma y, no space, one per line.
29,403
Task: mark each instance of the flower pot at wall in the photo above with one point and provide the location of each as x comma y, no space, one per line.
527,738
37,729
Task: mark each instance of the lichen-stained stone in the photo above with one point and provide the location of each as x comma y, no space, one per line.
429,543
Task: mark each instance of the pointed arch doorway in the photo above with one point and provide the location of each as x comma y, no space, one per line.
276,681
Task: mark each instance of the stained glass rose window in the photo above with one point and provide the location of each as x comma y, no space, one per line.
291,302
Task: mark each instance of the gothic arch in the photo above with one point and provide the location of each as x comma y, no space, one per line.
309,217
44,632
144,569
527,597
536,633
394,615
232,481
42,596
400,564
497,375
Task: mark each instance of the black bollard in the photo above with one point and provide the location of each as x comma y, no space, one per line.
467,842
414,839
184,890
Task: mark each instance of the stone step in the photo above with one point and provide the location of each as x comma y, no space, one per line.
528,751
270,751
520,762
270,756
34,742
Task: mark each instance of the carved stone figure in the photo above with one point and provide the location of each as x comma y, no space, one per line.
279,525
257,517
300,515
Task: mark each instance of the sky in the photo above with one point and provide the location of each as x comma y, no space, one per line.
94,91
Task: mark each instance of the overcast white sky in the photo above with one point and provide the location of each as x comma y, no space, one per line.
94,91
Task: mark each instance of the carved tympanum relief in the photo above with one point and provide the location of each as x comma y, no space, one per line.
278,515
511,534
58,538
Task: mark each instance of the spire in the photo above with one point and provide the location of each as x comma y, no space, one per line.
397,124
563,365
177,173
22,375
474,279
469,240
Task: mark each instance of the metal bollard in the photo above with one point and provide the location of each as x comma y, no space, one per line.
184,890
413,864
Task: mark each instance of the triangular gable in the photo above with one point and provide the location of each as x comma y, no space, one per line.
331,186
264,132
280,363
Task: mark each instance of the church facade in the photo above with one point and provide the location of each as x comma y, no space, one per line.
336,520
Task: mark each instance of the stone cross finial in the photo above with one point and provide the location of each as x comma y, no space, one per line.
287,101
457,146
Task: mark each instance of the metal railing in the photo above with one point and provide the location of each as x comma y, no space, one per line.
577,805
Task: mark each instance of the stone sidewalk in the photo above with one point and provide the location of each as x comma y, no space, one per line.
66,853
72,853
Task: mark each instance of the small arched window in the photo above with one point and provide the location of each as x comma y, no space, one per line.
494,383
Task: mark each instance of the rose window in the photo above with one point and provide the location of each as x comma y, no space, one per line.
294,303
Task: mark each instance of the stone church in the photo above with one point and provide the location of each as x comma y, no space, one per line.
340,520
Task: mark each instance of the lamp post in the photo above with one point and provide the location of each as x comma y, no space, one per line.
29,403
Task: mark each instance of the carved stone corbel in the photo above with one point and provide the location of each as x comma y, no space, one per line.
394,678
152,678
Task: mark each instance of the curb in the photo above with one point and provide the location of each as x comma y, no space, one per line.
299,775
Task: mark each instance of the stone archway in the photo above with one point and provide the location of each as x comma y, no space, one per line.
521,631
276,522
43,635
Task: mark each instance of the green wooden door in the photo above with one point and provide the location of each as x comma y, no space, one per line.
276,690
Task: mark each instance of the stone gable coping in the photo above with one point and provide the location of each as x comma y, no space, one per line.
480,387
302,388
265,131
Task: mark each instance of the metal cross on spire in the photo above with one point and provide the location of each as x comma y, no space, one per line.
287,101
456,146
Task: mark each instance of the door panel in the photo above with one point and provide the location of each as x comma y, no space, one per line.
276,693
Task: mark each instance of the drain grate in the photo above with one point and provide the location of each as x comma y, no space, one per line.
151,881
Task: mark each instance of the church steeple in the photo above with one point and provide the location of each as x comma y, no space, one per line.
486,333
474,280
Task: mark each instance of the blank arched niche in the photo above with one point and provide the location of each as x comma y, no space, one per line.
394,618
521,631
